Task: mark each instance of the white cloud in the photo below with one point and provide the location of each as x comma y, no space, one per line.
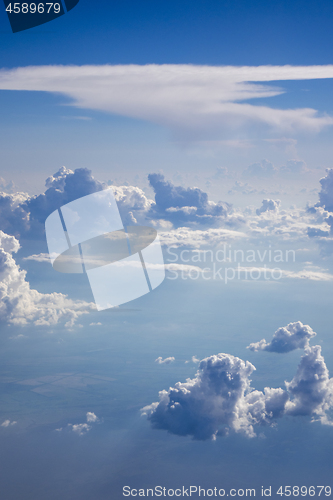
132,203
187,237
165,361
326,192
8,423
82,429
287,338
41,257
184,206
193,99
277,274
268,205
21,305
216,401
91,417
220,398
311,387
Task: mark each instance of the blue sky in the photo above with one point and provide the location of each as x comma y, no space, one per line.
230,104
197,32
200,33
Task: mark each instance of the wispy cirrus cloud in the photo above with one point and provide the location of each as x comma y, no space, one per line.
188,99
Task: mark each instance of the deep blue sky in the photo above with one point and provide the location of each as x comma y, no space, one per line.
200,32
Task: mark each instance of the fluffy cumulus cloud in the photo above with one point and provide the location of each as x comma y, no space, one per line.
184,216
272,205
220,398
216,401
311,388
132,203
203,99
91,417
21,305
323,210
286,339
83,428
13,215
184,206
22,215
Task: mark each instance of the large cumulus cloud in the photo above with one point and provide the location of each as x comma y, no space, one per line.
21,305
220,398
217,400
23,215
311,387
184,206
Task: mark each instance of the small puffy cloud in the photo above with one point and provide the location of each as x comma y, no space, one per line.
8,423
194,359
268,205
91,417
165,361
21,305
184,205
264,169
286,339
82,429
